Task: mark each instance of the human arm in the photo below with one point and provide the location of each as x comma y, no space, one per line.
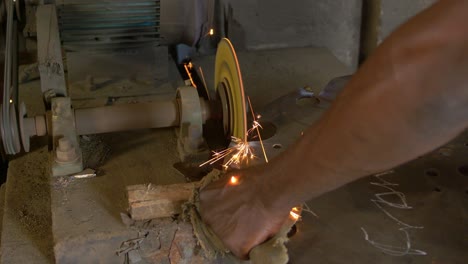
410,97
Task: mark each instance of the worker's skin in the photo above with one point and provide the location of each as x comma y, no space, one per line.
408,98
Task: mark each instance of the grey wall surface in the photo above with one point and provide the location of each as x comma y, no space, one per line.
382,17
267,24
396,12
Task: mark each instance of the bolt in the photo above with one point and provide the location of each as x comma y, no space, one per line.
64,144
65,151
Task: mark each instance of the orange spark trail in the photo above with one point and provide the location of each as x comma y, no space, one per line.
256,128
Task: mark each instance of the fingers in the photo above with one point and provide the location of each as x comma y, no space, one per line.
241,247
258,231
236,214
241,253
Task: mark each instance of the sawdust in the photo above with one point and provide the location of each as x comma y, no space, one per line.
28,198
95,151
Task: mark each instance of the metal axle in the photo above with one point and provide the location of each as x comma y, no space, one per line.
107,119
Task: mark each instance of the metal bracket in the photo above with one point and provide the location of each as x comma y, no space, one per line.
49,51
66,155
190,143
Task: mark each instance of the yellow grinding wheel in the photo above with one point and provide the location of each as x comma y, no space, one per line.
229,86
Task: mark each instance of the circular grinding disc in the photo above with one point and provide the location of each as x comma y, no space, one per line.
228,83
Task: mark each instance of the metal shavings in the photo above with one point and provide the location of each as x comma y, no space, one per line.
131,244
381,202
306,208
149,187
88,173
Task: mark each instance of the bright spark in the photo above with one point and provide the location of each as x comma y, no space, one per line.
255,126
211,33
295,214
241,152
188,67
234,180
11,101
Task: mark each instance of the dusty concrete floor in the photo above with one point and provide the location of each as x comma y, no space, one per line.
92,207
86,214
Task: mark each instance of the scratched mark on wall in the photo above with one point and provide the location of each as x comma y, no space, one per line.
382,203
50,68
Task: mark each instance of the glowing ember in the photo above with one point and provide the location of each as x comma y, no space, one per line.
234,180
295,214
188,67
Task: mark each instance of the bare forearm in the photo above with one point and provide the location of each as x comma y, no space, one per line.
410,97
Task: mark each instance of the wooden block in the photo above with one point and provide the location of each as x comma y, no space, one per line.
149,201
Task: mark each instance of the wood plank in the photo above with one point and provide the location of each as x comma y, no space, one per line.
149,201
49,51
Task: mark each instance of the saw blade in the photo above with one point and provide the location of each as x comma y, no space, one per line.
229,85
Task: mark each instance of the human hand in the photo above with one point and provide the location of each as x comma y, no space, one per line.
240,210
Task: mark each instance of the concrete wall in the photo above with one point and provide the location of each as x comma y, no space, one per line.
396,12
382,17
267,24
